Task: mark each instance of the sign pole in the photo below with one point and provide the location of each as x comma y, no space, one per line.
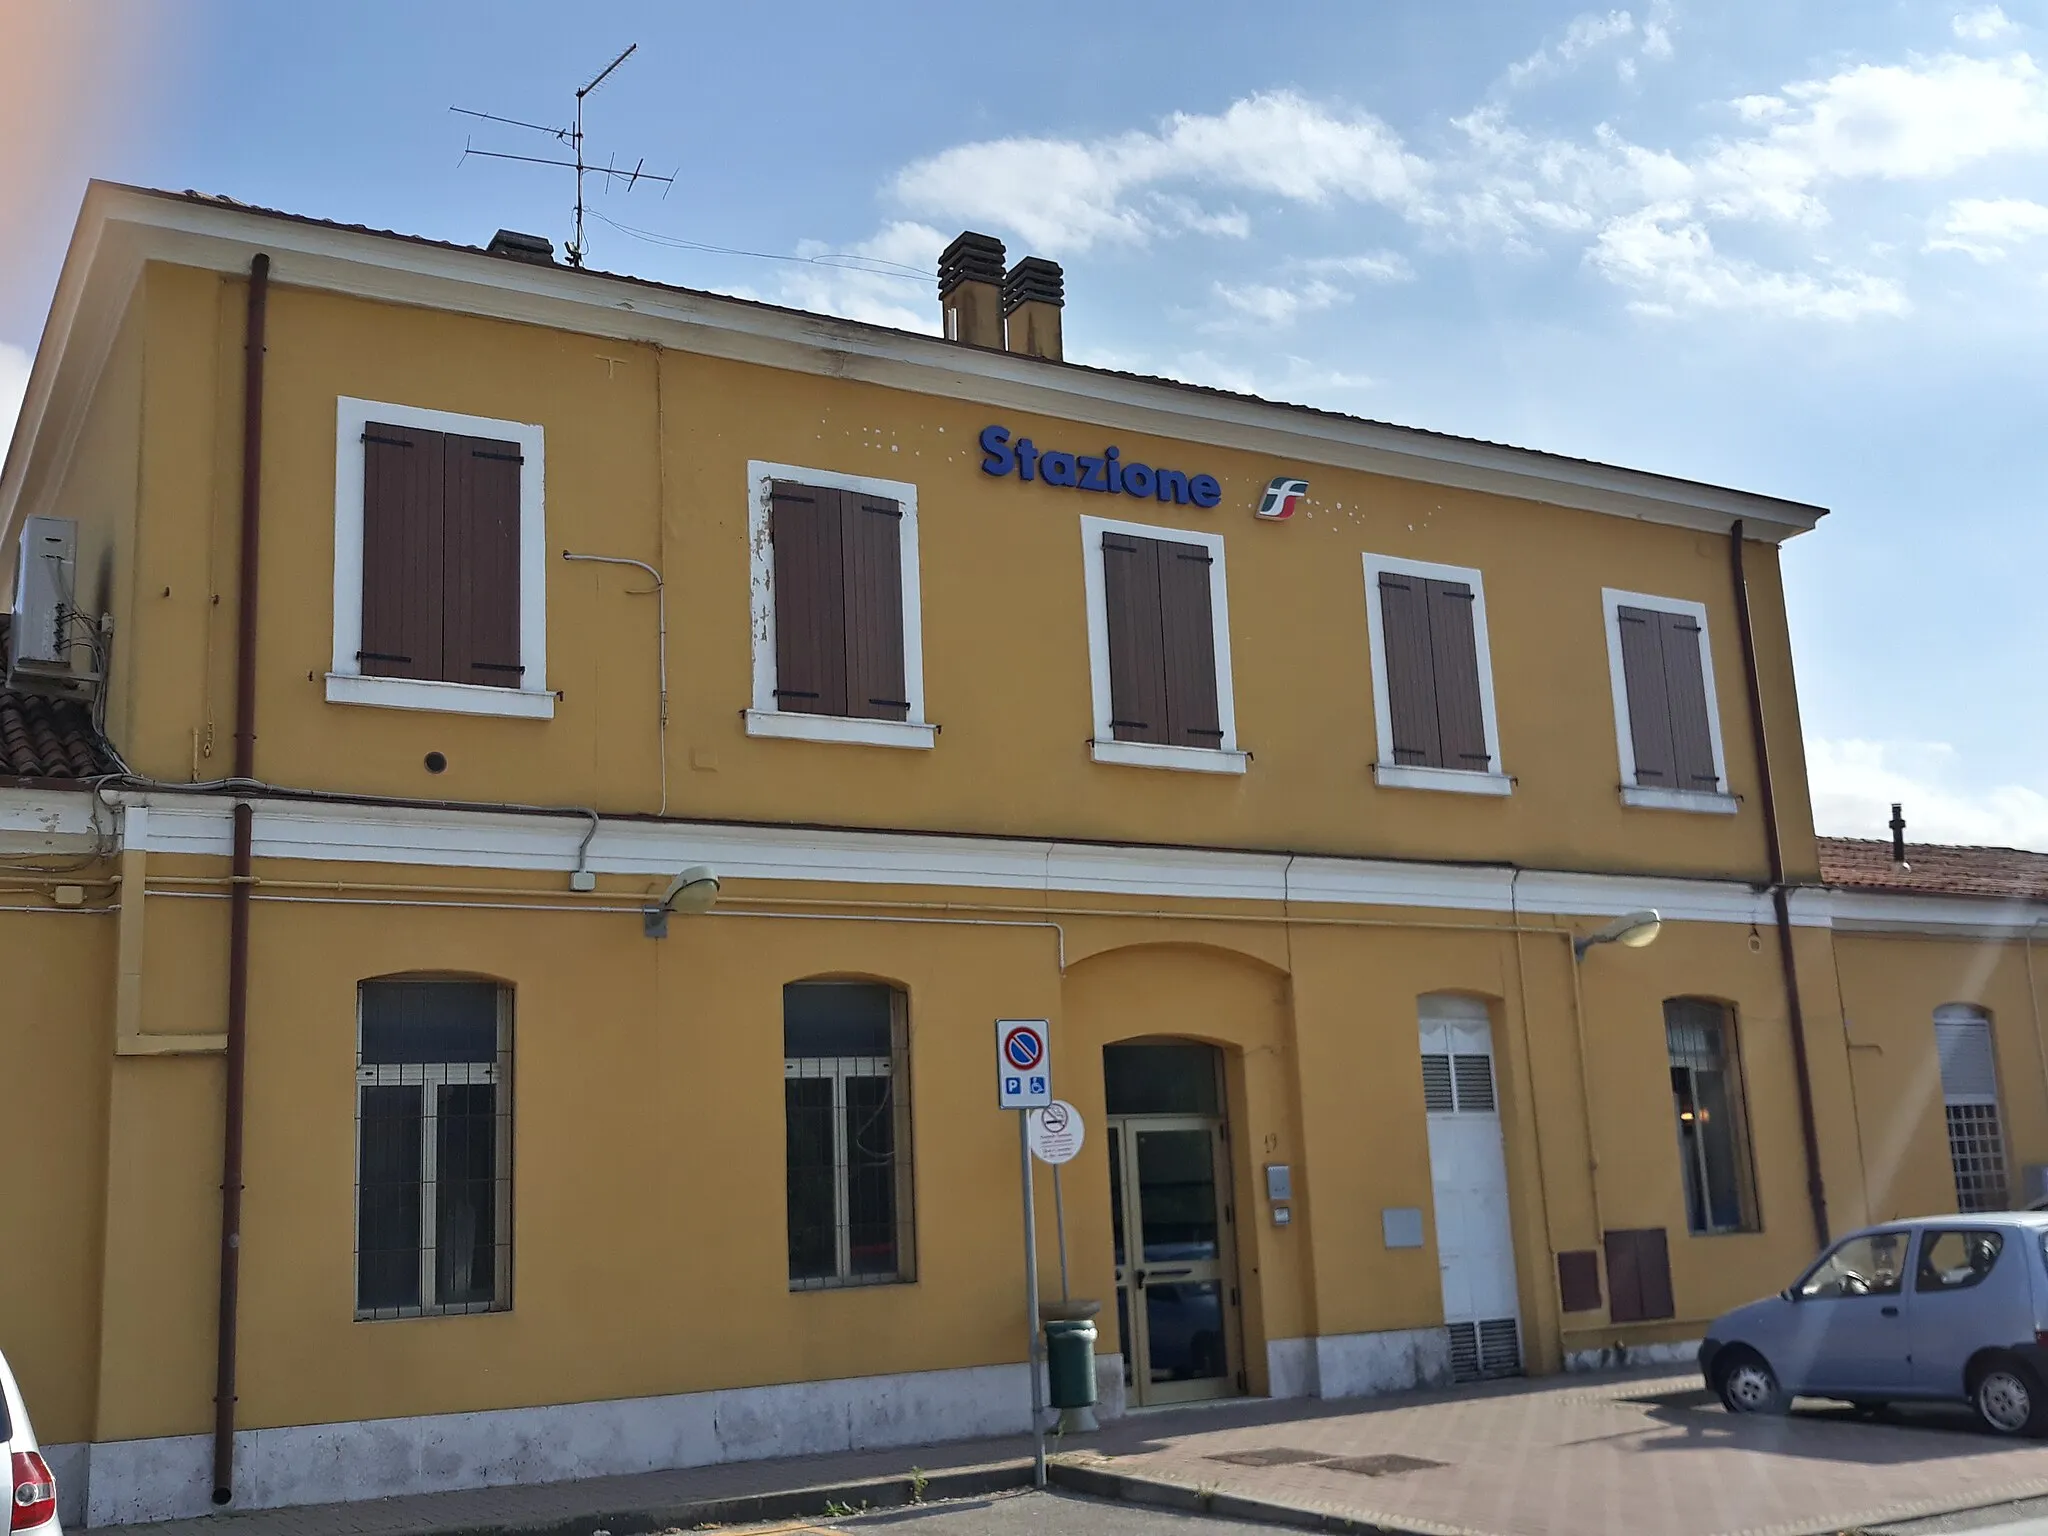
1059,1221
1031,1354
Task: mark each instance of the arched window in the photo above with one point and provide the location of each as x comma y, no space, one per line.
1969,1093
1707,1098
846,1104
433,1146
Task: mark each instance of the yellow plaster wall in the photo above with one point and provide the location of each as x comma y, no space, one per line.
1891,985
56,1035
646,457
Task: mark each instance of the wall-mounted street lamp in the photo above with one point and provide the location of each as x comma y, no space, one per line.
693,891
1632,931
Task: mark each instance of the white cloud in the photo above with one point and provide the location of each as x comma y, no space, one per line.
14,364
865,287
1885,122
1272,304
1855,784
1372,266
1066,195
1985,25
1987,228
1657,30
1586,33
1668,259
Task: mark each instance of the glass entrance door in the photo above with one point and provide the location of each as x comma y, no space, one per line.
1174,1257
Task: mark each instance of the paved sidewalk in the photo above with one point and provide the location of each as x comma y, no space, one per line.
1578,1456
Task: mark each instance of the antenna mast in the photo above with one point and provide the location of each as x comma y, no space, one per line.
573,137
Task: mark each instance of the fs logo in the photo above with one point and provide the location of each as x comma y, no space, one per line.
1281,498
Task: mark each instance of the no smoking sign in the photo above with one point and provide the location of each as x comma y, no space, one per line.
1023,1064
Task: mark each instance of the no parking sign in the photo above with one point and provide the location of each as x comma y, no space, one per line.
1023,1065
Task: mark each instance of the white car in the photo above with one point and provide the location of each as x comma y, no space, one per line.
32,1504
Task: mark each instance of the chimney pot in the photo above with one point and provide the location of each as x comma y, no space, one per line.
520,247
971,290
1034,292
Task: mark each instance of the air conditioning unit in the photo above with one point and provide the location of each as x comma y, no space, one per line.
45,586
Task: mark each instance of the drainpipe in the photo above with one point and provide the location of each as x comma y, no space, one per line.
1816,1191
238,891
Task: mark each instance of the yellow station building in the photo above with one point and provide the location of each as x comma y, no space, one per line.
397,626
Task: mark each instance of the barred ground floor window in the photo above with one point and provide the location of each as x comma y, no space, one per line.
1969,1092
846,1108
433,1147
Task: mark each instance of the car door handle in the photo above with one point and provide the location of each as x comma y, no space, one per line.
1889,1311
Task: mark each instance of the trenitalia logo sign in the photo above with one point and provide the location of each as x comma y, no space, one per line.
1106,472
1281,498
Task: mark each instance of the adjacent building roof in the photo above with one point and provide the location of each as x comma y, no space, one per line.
45,737
1934,869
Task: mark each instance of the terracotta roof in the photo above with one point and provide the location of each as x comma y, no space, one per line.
43,737
1934,869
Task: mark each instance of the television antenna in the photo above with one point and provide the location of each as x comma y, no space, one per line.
573,137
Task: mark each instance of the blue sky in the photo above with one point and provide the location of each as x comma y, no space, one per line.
1792,247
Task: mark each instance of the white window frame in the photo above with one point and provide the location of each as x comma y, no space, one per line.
1225,757
1387,773
346,684
1653,797
765,719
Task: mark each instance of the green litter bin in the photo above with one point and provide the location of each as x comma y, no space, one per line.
1070,1362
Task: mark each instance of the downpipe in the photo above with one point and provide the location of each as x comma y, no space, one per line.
239,891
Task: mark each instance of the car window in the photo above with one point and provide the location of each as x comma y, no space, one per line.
1872,1264
1957,1260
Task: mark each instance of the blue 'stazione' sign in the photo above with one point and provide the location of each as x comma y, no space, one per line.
1106,472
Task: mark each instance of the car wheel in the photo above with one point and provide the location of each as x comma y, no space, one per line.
1748,1384
2008,1399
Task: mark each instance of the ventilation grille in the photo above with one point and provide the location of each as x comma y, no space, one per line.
1485,1350
1436,1085
1459,1084
1474,1075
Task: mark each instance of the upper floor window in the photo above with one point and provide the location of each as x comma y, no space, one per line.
1969,1092
433,1147
1432,678
1159,648
439,569
838,652
1661,670
846,1111
1706,1096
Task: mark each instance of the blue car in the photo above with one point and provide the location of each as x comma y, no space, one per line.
1937,1309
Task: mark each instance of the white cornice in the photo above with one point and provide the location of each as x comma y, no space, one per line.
449,838
120,227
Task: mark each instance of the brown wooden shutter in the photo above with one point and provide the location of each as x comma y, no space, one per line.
1188,642
1137,662
1685,686
873,535
1454,647
1578,1281
1639,1276
1649,702
1411,671
810,599
403,560
480,613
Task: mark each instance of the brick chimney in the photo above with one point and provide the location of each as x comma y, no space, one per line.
1033,294
971,290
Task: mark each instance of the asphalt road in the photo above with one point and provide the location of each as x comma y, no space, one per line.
1066,1514
1016,1514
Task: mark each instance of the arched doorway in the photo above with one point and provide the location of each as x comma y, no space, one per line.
1173,1221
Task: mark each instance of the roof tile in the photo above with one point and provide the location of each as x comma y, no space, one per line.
1934,869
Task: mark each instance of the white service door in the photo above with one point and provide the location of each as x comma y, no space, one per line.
1469,1180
